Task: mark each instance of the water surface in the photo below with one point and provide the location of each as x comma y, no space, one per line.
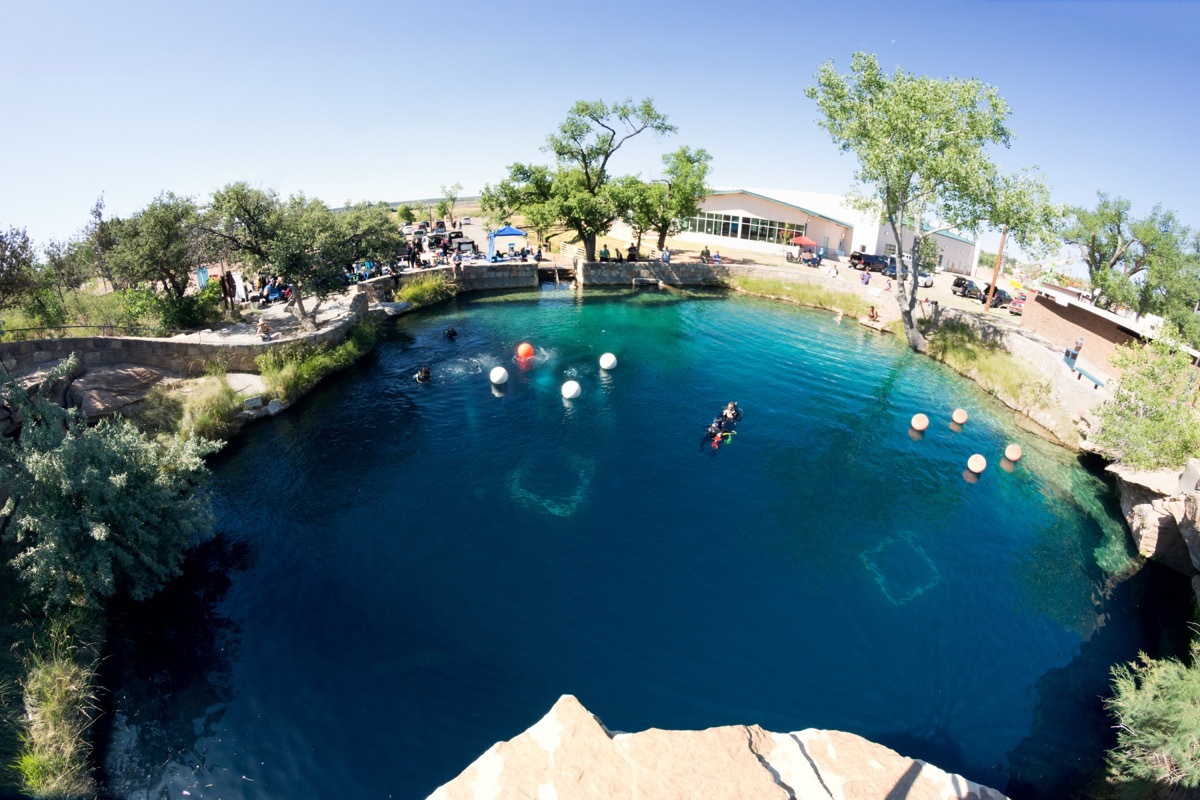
405,574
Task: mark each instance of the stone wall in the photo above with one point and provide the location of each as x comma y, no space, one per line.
623,273
472,278
182,356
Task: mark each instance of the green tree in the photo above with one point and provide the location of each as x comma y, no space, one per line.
1150,265
1157,707
921,149
443,210
97,510
1152,421
159,245
100,239
450,198
364,232
580,192
242,223
678,194
17,276
405,214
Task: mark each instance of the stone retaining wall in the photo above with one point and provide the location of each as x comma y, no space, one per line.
473,278
186,356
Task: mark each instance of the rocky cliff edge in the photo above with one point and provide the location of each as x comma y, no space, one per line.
570,755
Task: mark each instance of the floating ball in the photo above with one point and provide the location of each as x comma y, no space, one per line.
1013,452
571,390
608,361
524,350
499,376
959,416
920,422
977,463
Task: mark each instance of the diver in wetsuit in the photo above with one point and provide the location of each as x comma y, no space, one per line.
423,375
450,333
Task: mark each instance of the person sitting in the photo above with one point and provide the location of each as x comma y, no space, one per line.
716,259
620,259
604,253
423,375
538,255
633,253
264,330
705,255
873,315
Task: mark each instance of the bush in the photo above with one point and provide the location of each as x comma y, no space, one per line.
97,510
1152,421
425,290
1157,708
291,370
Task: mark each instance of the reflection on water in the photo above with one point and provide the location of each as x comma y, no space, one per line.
408,573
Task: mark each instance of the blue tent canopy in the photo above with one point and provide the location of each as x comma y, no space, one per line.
507,230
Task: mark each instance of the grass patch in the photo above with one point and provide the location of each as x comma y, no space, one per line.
996,371
425,290
60,706
209,411
802,293
291,370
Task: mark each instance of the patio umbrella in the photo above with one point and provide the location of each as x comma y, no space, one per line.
803,241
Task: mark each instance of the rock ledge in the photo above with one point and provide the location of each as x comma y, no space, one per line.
570,755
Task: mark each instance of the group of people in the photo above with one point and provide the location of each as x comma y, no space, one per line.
604,255
720,430
710,258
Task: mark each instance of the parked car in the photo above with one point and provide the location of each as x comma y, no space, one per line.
924,279
407,230
965,287
869,262
455,234
1017,306
999,300
465,221
439,231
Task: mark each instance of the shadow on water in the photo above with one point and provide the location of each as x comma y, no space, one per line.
1150,603
171,657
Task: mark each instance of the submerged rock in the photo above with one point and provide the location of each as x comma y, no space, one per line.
570,755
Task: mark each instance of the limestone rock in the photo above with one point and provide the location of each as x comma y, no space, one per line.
1186,509
107,390
1189,481
358,304
570,755
1160,482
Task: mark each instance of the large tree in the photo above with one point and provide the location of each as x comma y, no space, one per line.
921,145
17,275
580,192
1150,265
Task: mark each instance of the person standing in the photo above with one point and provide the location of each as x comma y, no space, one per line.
666,255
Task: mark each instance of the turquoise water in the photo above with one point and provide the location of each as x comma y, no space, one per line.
405,574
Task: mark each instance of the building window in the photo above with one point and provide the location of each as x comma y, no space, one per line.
749,228
889,249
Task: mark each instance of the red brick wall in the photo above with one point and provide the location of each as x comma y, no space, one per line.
1062,325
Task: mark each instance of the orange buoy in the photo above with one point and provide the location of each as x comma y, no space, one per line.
959,416
919,422
977,463
524,350
1013,452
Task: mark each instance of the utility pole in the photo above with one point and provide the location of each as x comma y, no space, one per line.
987,304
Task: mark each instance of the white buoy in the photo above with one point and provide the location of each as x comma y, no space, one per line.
499,376
608,361
919,422
1013,452
571,390
977,463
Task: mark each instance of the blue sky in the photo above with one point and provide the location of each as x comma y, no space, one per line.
371,100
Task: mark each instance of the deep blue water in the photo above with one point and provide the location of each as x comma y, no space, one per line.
405,574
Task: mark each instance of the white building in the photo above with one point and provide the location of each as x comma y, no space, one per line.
764,220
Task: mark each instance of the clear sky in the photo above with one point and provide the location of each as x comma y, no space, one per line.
364,100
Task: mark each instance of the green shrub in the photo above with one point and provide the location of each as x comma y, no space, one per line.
802,293
291,370
1152,421
60,706
160,412
1156,704
210,410
425,290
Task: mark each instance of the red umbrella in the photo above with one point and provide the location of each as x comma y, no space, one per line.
803,241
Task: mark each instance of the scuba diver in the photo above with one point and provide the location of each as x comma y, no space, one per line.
423,375
721,429
450,333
